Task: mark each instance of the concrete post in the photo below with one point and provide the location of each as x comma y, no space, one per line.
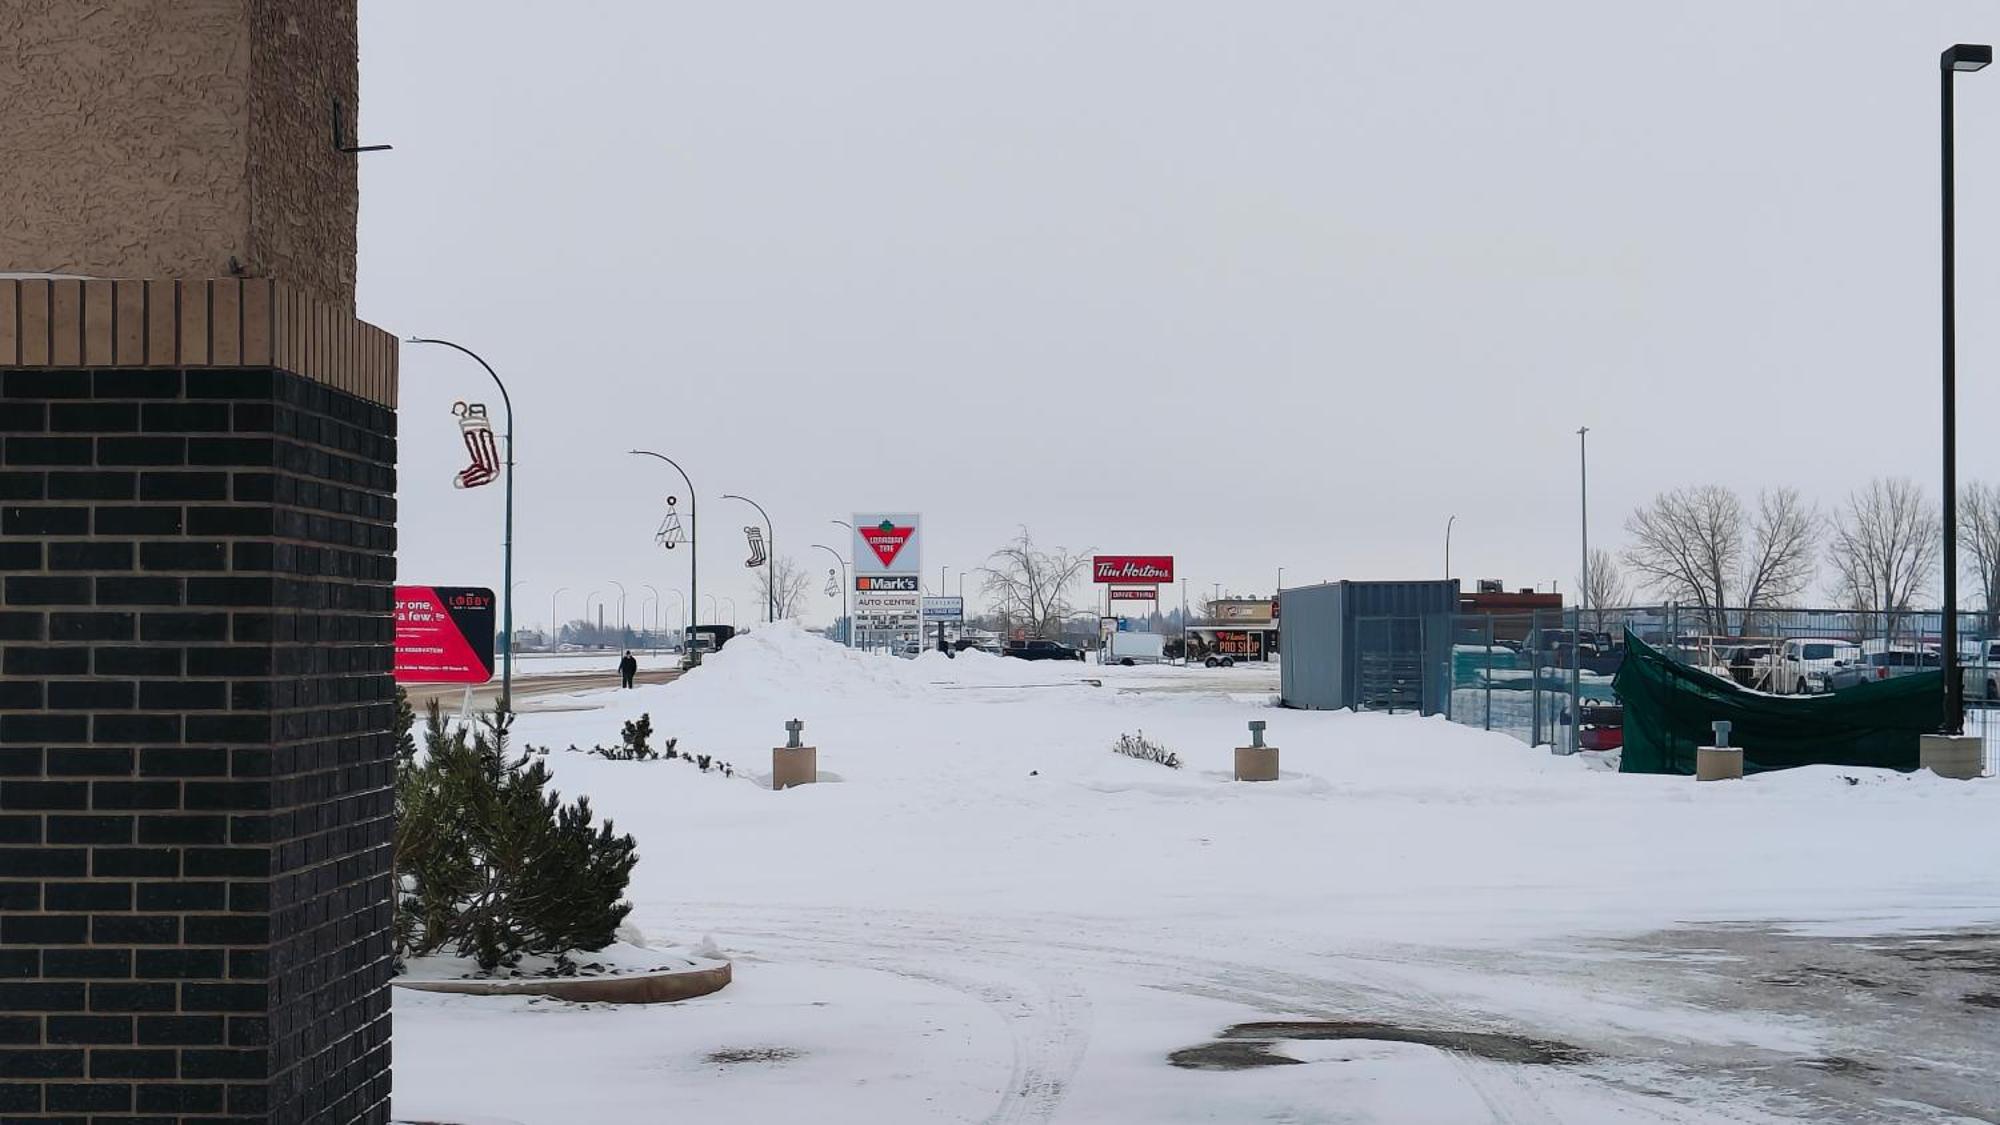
794,763
1720,762
1256,762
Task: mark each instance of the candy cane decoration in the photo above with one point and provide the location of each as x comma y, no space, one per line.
477,431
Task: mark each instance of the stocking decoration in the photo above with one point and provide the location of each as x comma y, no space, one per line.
478,434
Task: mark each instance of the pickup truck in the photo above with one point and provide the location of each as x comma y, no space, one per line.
1803,666
1041,650
1981,670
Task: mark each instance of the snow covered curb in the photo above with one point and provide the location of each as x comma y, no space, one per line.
664,987
621,973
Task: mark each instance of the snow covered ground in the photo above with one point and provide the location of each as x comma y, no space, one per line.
985,915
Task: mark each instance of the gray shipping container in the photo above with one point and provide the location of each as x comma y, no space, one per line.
1368,645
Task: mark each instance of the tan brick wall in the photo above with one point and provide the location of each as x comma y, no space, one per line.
146,138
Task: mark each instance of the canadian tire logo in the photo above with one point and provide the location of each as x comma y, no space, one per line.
887,540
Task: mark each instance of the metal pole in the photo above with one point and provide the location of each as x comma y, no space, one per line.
659,608
694,552
1582,592
847,630
621,610
507,544
1447,546
555,620
1959,57
770,560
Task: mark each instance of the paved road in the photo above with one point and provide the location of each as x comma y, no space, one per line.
532,693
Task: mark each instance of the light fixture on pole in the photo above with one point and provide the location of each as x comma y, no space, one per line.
770,559
1958,58
507,542
847,628
694,549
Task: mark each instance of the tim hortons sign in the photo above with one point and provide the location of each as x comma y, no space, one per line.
1133,570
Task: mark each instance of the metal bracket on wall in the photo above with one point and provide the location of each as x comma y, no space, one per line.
340,134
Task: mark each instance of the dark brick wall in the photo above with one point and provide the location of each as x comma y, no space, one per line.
196,762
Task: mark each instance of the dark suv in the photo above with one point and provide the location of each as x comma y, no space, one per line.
1041,650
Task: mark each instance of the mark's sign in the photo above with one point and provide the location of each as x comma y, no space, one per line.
1132,570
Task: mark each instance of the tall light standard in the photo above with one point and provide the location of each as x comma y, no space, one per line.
694,550
731,603
621,610
1447,547
659,608
1582,591
1959,57
714,610
555,621
847,622
507,544
770,557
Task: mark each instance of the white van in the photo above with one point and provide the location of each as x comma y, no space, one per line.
1803,666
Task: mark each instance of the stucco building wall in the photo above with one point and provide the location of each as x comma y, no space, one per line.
190,139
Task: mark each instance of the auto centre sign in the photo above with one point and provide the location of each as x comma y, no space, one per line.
1132,570
444,634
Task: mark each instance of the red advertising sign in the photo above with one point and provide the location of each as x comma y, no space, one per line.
1135,593
444,635
886,540
1132,569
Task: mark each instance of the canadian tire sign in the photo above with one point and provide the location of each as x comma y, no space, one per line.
1133,570
444,634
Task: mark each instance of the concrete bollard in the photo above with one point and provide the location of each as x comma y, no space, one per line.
1720,762
1961,757
1257,762
794,763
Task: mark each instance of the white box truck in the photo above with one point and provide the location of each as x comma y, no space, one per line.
1136,648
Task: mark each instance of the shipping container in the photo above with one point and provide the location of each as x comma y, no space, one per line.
1377,646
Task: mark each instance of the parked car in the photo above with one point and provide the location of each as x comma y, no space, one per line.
1603,727
1039,649
1982,672
1803,665
1882,665
983,644
1218,660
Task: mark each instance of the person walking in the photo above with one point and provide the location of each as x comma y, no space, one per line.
628,668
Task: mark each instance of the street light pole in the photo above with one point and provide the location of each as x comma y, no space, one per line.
1959,57
621,610
691,650
847,629
659,609
714,610
770,558
1447,547
1582,593
507,544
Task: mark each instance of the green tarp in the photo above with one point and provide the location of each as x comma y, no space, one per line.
1669,707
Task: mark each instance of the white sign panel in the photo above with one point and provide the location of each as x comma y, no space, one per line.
948,610
887,543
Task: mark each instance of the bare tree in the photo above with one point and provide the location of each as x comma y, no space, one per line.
1604,588
1031,588
791,582
1699,545
1979,524
1885,549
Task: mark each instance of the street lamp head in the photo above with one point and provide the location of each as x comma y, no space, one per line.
1966,57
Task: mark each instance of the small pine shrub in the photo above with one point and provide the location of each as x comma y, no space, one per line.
493,865
1146,750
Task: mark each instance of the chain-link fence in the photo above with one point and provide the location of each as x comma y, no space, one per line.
1533,674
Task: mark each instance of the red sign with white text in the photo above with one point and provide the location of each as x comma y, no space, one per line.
886,540
1132,569
444,635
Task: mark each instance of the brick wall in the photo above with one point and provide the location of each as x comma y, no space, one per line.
196,574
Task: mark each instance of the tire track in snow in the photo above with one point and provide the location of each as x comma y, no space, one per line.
1047,1014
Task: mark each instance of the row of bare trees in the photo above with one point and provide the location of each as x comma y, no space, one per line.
1705,547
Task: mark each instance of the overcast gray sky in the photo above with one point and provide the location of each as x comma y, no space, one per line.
1265,284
